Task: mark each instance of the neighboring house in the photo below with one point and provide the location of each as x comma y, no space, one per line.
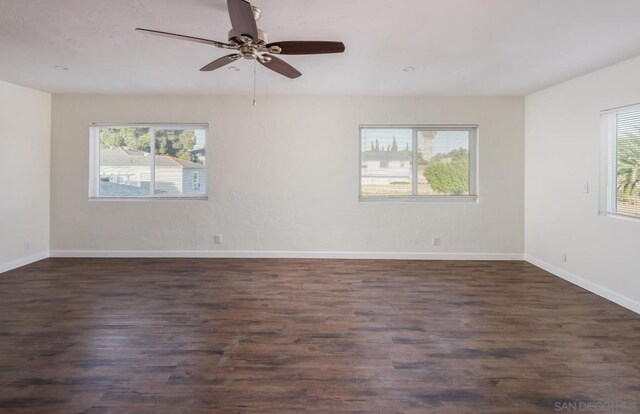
385,167
127,173
199,155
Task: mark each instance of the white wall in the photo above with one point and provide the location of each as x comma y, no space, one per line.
25,131
562,151
283,177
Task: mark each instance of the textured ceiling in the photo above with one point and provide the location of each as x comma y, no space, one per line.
458,47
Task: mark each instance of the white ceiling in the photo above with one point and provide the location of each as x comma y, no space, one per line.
458,47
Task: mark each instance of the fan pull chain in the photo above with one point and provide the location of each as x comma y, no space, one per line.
254,83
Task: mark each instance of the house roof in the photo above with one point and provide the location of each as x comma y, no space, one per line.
386,156
108,189
125,157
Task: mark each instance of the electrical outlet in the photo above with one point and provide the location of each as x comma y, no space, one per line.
218,238
436,241
585,187
563,257
27,245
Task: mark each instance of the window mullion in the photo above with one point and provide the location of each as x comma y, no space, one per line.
152,148
614,165
95,162
414,162
474,160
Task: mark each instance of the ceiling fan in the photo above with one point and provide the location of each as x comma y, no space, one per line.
249,42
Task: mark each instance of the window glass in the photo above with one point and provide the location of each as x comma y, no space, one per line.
148,161
442,165
125,162
386,162
622,166
443,162
180,156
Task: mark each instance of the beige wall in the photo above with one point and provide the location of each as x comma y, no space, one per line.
25,131
563,152
283,177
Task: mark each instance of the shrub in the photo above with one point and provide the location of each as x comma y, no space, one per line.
448,178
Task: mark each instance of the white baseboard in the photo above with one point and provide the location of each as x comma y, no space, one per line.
23,261
287,255
585,284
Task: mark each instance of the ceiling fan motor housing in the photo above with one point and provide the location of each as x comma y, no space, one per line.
262,38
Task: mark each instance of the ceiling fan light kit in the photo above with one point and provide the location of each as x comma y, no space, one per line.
251,43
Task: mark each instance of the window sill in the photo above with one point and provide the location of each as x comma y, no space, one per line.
620,216
421,199
138,199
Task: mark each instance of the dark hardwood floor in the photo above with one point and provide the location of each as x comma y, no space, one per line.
312,336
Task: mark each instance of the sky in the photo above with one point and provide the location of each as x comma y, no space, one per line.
444,141
200,138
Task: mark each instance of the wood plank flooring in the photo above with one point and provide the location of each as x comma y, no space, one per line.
309,336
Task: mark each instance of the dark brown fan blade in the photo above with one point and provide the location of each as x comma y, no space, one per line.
308,47
218,63
181,37
242,20
282,67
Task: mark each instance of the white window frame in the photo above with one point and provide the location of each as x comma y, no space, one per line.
473,196
94,160
608,195
195,180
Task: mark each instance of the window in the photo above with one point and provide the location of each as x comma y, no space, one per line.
418,162
621,162
195,181
148,161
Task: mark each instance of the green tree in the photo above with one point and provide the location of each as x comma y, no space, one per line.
449,177
628,155
171,142
110,138
460,154
377,146
394,146
133,138
175,143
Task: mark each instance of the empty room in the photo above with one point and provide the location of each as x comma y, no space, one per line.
320,206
